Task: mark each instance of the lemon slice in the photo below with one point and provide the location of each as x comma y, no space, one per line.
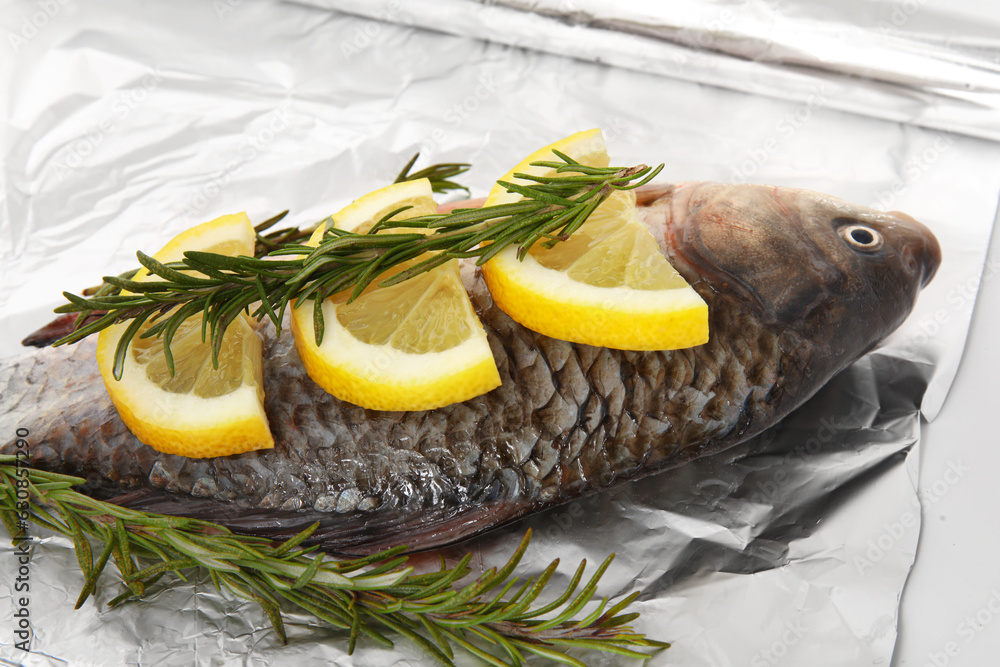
608,284
200,411
417,345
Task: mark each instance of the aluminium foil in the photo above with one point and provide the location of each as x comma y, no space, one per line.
123,125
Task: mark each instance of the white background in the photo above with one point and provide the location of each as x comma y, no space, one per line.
957,570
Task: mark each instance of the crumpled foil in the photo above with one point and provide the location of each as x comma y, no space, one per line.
123,126
931,63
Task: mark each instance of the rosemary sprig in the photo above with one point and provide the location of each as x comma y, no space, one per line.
220,287
439,175
365,597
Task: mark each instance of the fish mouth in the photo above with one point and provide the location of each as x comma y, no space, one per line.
925,248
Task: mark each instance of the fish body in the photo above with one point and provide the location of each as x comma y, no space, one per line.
798,285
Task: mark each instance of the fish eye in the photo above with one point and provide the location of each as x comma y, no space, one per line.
861,238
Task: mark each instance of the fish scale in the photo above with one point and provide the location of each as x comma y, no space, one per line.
567,421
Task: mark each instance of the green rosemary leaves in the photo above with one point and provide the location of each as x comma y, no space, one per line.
491,617
220,287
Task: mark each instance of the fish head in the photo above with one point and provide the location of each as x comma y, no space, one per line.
836,273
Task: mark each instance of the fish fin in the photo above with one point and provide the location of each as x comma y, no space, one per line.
56,329
353,533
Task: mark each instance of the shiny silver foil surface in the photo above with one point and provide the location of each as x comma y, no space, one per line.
931,63
124,125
